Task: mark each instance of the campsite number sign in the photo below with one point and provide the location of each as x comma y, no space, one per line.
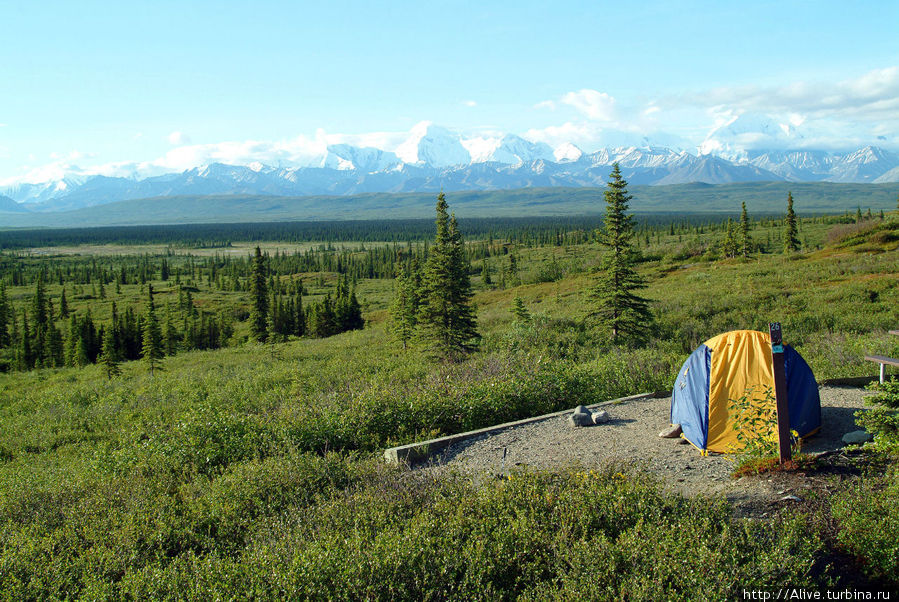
780,392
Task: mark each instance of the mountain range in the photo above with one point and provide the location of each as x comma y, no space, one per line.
434,158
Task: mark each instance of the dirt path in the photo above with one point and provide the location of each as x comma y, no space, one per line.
632,436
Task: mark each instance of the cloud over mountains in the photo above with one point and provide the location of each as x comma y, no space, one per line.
736,123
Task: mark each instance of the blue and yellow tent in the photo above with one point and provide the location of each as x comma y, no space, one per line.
724,368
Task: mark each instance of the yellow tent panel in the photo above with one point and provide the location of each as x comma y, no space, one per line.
740,359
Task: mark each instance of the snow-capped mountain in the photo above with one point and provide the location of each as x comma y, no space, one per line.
433,146
509,150
431,158
344,156
741,133
864,165
42,191
890,176
801,165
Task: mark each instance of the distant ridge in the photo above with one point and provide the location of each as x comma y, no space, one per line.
760,198
8,204
434,158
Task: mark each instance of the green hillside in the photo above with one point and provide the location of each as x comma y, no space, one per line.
255,471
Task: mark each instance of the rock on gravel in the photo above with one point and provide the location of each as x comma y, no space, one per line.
671,433
601,417
857,437
632,438
580,419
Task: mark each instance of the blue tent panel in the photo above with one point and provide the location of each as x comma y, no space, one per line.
690,398
802,393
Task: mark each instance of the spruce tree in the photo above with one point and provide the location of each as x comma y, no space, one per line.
323,322
447,320
151,350
299,324
791,238
404,307
485,273
272,335
272,329
26,360
55,350
745,238
620,310
63,305
71,344
513,271
81,356
259,294
520,312
109,356
5,315
730,241
41,321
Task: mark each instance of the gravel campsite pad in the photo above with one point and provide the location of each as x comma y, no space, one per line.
632,436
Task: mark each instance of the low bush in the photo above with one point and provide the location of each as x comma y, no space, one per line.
868,518
571,535
882,420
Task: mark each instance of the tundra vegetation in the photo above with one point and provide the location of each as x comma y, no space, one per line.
233,472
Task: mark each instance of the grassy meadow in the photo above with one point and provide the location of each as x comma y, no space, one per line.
255,470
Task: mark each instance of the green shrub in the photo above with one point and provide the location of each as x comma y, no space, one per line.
883,419
869,524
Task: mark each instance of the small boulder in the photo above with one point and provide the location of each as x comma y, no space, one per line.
671,433
857,437
601,417
580,419
581,410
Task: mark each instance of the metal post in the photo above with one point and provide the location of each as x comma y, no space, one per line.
780,393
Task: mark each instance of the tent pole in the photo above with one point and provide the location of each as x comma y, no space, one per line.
780,393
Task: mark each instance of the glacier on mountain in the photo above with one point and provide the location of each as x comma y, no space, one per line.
748,147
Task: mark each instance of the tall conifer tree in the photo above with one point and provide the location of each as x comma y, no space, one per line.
404,307
745,238
620,310
447,320
5,317
63,305
259,294
791,232
109,356
151,349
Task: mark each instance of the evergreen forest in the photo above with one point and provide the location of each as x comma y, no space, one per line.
201,411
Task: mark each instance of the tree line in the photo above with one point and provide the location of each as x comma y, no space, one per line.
32,338
277,314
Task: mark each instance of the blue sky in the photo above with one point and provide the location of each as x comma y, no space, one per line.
111,85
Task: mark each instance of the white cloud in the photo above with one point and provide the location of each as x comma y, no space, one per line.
546,104
592,103
470,103
178,138
581,134
871,97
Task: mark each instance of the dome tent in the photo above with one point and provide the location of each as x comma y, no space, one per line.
724,368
